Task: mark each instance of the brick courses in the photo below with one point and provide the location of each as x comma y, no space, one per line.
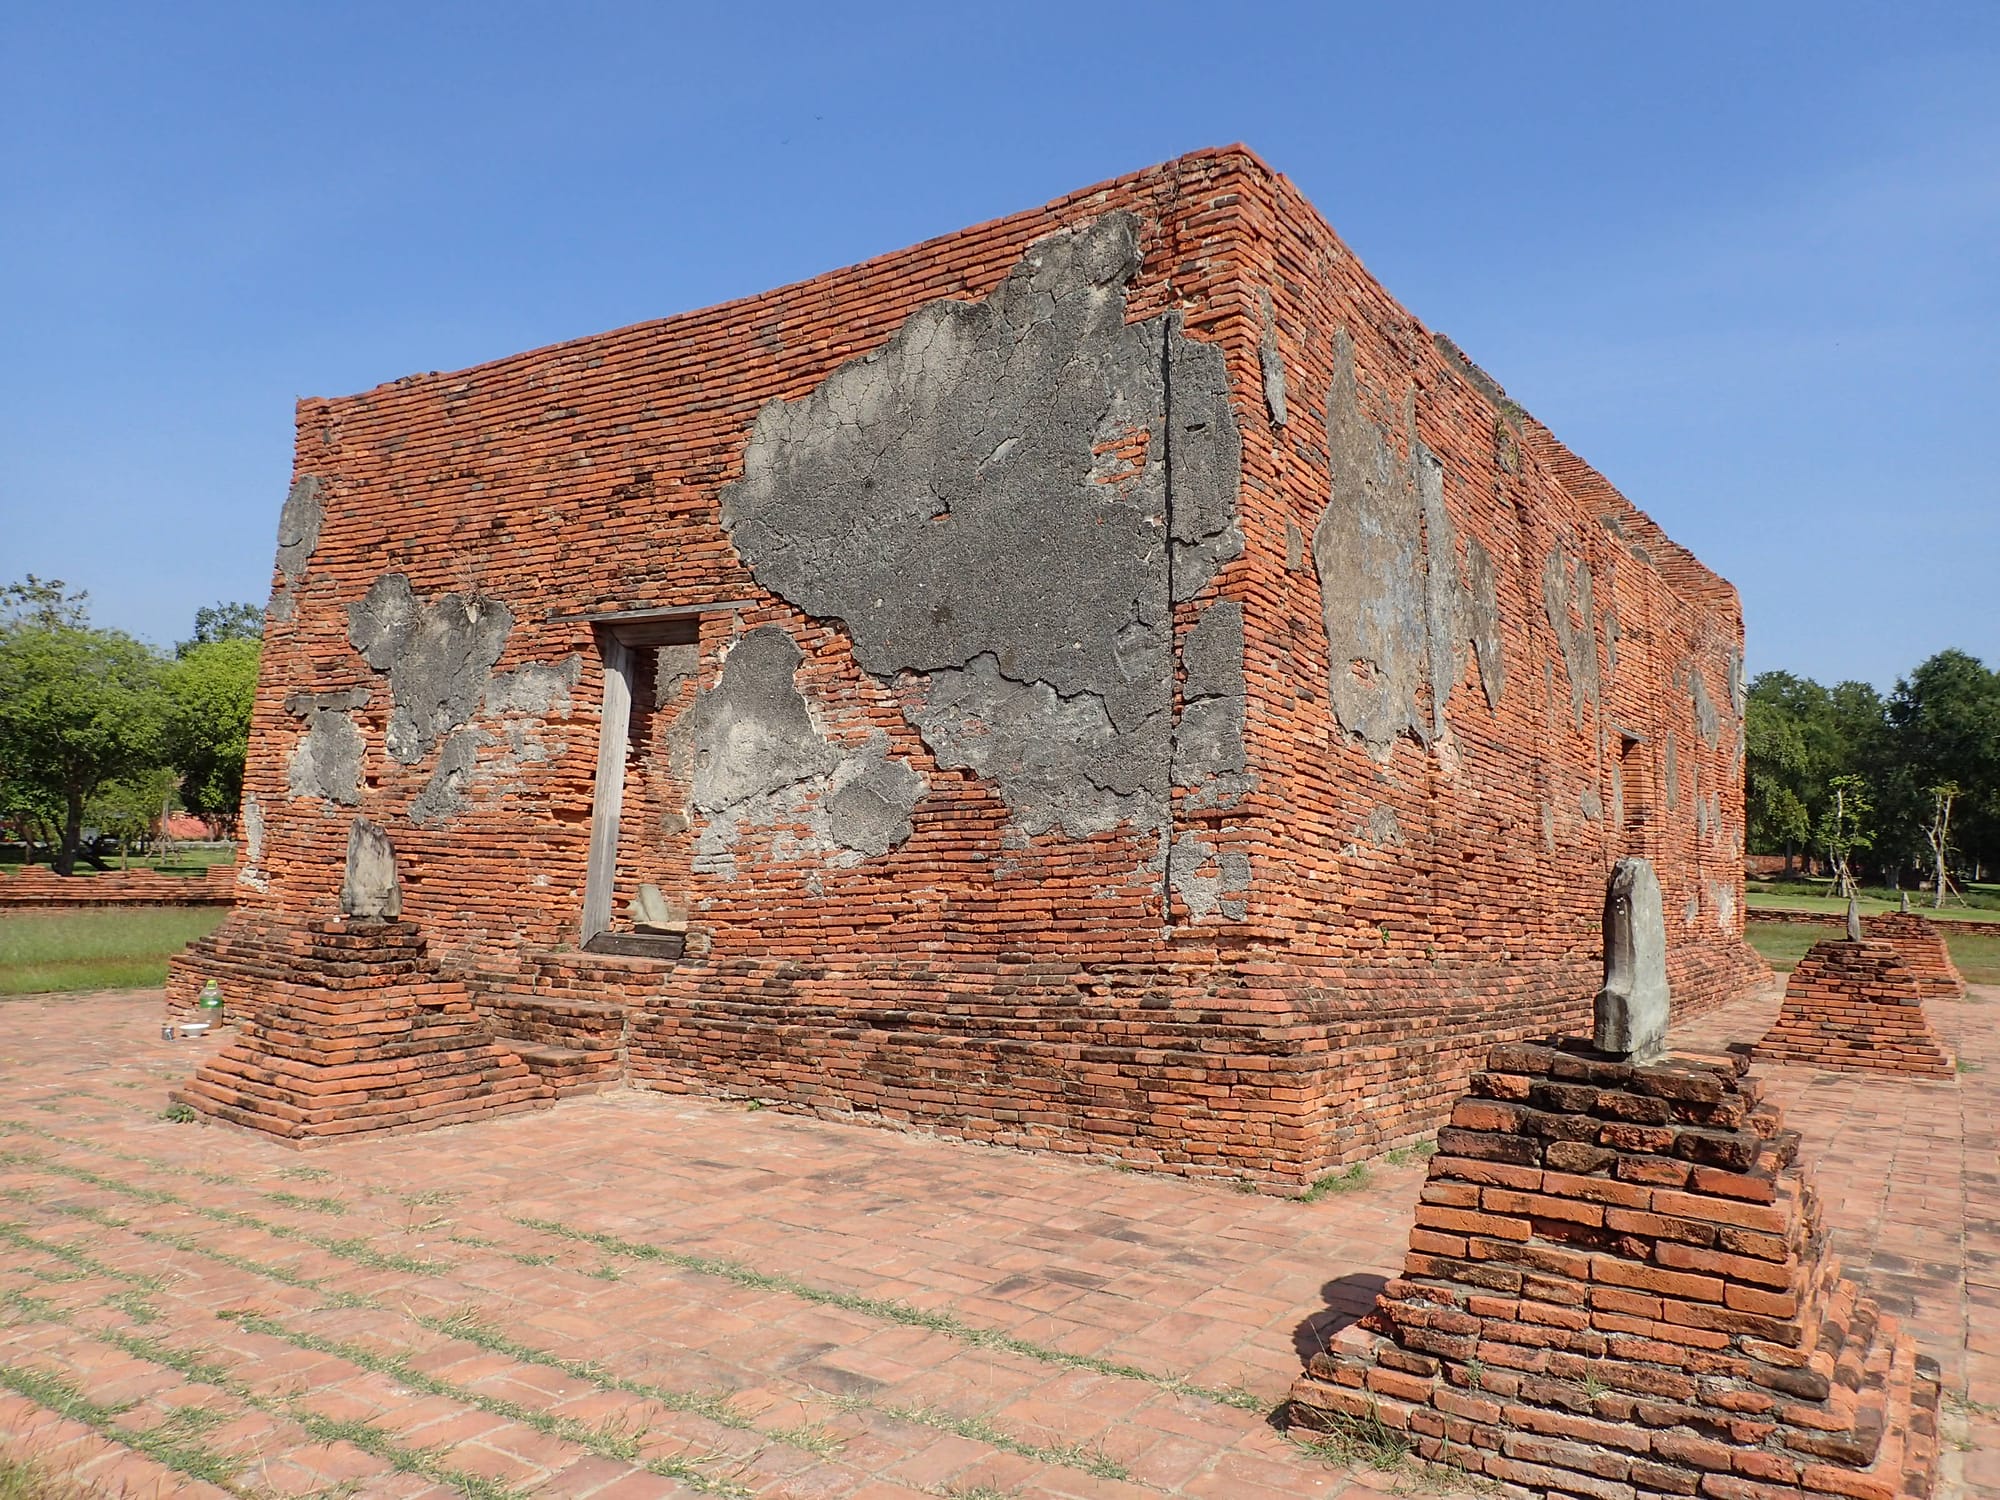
1619,1284
354,1029
1921,946
1404,909
35,886
1858,1007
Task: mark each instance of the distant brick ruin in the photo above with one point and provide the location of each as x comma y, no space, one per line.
1106,680
1858,1007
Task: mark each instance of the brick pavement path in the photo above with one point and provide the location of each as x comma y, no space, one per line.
640,1295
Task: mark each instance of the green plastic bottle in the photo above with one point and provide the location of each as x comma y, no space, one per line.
211,1003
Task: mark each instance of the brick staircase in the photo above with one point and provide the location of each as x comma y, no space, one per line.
564,1013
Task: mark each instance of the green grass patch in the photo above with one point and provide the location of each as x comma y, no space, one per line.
1783,944
109,948
1788,899
23,1479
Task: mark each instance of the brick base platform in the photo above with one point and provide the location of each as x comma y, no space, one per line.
1922,949
352,1028
1619,1284
1856,1007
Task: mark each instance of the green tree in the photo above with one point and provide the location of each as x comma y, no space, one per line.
1944,721
79,707
1778,773
131,807
1847,827
211,689
218,622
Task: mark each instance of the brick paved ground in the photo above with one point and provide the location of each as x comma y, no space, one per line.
645,1295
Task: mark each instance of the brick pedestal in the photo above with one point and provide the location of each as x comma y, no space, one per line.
352,1028
1618,1285
1922,948
1856,1008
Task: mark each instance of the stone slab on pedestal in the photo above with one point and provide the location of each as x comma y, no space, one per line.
1619,1284
1631,1010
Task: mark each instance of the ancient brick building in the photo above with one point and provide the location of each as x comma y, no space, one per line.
1106,679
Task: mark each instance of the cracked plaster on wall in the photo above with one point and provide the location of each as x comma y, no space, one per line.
984,502
299,522
1395,621
326,762
752,758
439,657
1564,590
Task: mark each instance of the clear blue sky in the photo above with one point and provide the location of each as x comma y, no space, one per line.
1744,257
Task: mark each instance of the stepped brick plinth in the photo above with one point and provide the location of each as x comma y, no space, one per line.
1923,951
349,1026
1856,1007
1619,1285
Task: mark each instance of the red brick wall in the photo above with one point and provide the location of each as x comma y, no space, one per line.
1021,990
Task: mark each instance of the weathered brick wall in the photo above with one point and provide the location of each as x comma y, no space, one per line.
1337,934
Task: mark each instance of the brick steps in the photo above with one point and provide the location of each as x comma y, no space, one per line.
1619,1285
1921,946
565,1014
359,1032
1856,1007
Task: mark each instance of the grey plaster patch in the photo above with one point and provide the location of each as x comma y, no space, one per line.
946,499
326,763
1722,896
1383,827
1482,608
1370,579
1295,548
1706,722
870,798
675,665
752,758
1209,754
1611,638
251,871
371,890
1058,762
1271,364
1672,771
1691,913
539,688
439,657
1548,828
1204,894
1445,609
443,796
1736,683
1562,592
1592,804
299,522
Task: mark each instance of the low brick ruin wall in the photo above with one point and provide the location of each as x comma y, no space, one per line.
38,887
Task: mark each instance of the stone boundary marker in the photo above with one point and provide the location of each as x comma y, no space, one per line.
37,887
1857,1007
1618,1285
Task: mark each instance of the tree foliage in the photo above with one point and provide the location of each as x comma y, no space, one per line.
79,707
1940,726
210,691
98,727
